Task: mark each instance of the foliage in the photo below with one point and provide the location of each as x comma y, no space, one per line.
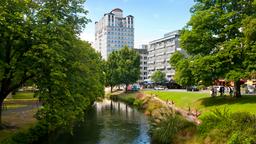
221,126
183,75
112,72
128,98
220,41
168,129
123,67
138,103
32,135
158,77
69,90
39,44
129,66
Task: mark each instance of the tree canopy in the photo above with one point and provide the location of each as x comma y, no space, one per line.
112,70
158,77
39,42
123,67
220,41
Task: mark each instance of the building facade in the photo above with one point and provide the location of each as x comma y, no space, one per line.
113,32
159,53
143,62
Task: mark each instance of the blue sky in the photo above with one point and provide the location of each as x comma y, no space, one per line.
153,18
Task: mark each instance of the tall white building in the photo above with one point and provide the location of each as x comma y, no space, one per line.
159,53
113,32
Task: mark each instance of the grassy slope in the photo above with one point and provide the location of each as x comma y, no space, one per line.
203,102
23,95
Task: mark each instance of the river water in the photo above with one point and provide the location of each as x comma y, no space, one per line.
109,123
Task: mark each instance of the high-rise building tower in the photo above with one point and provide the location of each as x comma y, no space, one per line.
113,32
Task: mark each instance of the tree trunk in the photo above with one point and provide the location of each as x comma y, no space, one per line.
111,89
1,108
126,87
237,89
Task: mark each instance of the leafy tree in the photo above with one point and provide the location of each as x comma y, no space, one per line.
112,73
16,32
129,66
39,43
70,87
123,67
220,41
182,65
158,77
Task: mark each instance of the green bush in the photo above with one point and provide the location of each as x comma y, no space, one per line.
33,135
138,103
201,87
221,126
167,130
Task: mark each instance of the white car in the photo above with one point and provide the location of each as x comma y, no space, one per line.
158,88
251,89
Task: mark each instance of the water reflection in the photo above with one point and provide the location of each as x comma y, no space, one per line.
110,123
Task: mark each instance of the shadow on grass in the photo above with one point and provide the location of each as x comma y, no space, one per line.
221,100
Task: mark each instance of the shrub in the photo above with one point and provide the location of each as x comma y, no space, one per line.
138,103
168,128
33,135
221,126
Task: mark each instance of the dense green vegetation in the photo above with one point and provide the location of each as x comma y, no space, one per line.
172,128
158,77
122,67
220,43
221,126
39,44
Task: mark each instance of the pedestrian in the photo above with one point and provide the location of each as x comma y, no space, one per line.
230,91
222,90
212,92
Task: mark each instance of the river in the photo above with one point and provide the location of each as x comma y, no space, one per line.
109,123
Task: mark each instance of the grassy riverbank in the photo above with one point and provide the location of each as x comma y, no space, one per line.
166,125
204,103
224,119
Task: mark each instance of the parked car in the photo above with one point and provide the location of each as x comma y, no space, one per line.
251,89
159,88
135,87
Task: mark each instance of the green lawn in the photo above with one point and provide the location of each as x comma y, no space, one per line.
204,103
15,106
23,95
